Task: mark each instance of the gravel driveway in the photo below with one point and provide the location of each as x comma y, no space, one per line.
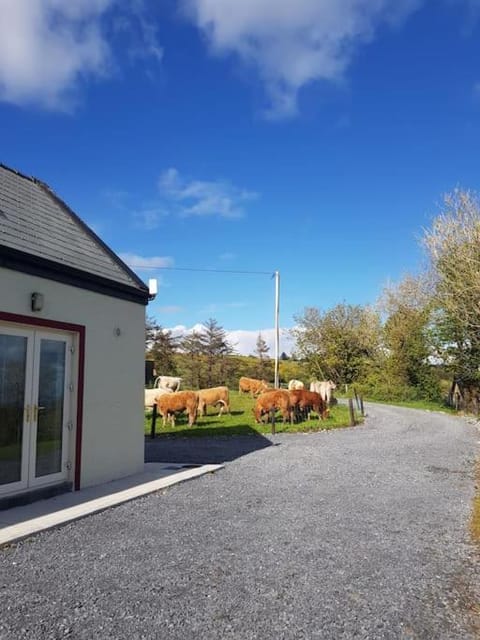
355,533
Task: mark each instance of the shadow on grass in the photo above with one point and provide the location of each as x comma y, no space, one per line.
214,446
211,414
202,427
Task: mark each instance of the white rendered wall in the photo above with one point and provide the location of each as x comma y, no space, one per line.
113,413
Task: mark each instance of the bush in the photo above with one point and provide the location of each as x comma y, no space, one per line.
381,387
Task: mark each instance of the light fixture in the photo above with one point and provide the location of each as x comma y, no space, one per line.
152,288
37,301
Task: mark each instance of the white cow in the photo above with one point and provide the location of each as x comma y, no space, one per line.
295,385
151,394
167,382
324,388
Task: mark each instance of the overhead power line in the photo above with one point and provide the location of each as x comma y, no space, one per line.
143,266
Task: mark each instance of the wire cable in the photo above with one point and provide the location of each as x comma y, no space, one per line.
133,265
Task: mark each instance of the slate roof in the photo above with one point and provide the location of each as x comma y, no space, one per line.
40,234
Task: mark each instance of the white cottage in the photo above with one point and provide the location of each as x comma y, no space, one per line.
72,334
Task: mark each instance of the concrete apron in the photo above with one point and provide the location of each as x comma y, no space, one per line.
20,522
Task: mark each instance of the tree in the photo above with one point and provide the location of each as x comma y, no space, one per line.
261,352
192,348
407,337
205,355
293,370
161,347
453,245
216,350
340,343
151,329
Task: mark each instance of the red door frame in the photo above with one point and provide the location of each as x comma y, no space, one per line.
73,328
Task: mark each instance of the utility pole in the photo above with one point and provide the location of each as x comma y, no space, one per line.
277,330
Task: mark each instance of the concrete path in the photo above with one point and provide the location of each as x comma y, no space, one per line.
355,533
20,522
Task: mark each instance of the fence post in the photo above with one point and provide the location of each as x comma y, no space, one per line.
475,405
296,414
361,407
357,398
154,420
456,401
272,420
352,412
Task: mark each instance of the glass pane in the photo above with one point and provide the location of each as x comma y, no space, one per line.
50,407
13,358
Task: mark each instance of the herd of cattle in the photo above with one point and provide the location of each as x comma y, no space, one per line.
296,403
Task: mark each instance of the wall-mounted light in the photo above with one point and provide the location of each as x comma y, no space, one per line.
37,301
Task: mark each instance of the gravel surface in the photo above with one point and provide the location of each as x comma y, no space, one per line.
354,533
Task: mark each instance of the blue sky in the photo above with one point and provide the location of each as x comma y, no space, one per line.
315,137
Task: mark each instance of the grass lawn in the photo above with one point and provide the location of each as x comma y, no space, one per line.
241,421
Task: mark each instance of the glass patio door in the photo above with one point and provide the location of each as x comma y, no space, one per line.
16,349
35,379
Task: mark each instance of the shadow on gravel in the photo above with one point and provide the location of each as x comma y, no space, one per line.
205,450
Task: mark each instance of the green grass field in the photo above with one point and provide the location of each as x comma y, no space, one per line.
241,421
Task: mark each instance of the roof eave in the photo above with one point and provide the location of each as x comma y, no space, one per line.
27,263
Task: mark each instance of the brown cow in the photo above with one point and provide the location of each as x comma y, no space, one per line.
213,396
308,401
151,395
252,386
169,403
271,401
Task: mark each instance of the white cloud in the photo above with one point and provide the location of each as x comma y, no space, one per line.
149,218
141,30
203,198
49,47
293,42
180,330
148,45
243,340
137,262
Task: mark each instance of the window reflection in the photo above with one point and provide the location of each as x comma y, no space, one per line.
50,407
13,358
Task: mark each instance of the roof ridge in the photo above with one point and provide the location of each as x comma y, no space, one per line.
18,173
